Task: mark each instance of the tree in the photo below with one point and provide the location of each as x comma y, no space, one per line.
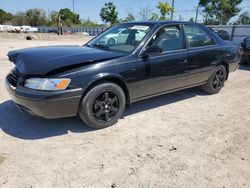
5,16
219,11
154,16
68,17
53,18
109,14
19,19
165,9
145,13
130,17
191,20
36,17
243,19
89,23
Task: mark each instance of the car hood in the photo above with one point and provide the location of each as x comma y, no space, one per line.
42,60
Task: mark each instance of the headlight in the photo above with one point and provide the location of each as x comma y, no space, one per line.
50,84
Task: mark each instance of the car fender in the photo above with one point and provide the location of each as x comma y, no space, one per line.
107,76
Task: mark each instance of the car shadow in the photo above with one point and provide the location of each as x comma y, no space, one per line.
163,100
21,125
244,67
24,126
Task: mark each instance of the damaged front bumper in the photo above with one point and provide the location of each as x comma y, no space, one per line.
46,104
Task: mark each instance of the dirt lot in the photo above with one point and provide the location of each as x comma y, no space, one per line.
183,139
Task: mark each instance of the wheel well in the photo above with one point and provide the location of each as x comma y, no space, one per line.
111,39
114,80
227,68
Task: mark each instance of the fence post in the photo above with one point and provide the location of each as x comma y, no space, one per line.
232,33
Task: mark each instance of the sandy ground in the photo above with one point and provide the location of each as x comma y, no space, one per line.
183,139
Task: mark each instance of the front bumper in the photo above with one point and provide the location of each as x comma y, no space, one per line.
46,104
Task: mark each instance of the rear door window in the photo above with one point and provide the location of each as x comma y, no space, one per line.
197,36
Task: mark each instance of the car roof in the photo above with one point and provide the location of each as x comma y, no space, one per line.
160,22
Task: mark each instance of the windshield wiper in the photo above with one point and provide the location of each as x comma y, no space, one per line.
101,46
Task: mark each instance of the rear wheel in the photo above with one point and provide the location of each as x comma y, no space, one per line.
103,105
216,80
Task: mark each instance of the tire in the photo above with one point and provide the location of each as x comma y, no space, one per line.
103,105
111,41
216,80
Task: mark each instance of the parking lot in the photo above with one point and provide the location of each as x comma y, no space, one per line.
182,139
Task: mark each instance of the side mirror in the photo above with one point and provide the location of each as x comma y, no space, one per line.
151,50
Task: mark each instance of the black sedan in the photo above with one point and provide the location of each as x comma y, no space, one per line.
96,81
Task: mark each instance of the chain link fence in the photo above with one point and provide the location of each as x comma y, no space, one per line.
236,32
92,31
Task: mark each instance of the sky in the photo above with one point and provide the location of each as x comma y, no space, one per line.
91,8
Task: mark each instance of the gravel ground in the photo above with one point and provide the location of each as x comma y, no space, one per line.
182,139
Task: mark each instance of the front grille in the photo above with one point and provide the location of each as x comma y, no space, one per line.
13,77
248,43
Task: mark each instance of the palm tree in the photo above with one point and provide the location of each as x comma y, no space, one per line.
164,8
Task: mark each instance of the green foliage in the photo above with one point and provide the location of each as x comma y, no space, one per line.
36,17
145,13
219,11
53,18
130,17
109,14
243,19
32,17
89,23
5,16
19,19
165,9
68,17
191,20
154,16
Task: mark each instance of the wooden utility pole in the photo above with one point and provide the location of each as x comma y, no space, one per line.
49,14
73,4
59,29
172,11
197,12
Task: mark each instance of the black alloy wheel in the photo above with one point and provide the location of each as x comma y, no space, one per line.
106,106
219,79
216,80
103,105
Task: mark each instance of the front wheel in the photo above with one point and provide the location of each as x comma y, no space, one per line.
103,105
216,80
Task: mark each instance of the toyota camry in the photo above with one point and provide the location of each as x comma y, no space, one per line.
98,80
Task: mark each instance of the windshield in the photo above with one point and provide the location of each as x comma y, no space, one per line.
123,38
